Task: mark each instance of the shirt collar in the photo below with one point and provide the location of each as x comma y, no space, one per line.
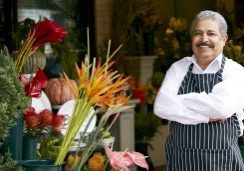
212,67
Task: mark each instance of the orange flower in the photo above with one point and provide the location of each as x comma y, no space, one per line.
100,86
96,162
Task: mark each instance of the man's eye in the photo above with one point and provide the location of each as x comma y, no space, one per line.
211,34
197,33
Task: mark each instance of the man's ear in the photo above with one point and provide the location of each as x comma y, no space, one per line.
225,38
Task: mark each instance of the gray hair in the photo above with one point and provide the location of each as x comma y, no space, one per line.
215,16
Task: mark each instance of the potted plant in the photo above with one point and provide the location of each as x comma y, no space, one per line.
146,126
45,123
12,98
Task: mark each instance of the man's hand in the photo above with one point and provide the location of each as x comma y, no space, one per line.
216,120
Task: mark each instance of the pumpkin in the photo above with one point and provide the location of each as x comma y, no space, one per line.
58,90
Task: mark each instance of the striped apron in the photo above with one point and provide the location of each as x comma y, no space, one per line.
207,146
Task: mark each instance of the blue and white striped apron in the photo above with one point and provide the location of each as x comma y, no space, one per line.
208,146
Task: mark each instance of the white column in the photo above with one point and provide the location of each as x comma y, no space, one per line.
124,130
141,67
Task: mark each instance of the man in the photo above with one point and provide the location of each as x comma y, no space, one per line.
203,97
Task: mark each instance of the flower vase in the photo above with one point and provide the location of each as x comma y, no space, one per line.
13,142
29,147
40,165
148,41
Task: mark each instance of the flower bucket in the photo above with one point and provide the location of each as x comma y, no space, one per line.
29,147
13,142
40,165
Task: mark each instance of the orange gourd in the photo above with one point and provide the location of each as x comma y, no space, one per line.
58,91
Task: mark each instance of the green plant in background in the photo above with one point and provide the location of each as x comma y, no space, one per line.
12,95
49,147
22,29
12,102
69,50
173,44
156,81
234,52
146,126
127,28
67,57
6,162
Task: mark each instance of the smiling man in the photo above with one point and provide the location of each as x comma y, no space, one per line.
203,98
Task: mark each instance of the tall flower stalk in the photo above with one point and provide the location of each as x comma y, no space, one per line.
98,86
42,32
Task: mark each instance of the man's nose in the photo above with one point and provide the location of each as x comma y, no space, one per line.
204,37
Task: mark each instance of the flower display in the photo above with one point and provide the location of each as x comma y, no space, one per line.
100,90
98,87
45,121
42,32
14,98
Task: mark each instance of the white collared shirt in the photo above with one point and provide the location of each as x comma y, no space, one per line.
226,98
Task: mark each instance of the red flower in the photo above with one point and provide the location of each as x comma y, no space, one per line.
45,121
30,111
57,129
46,117
58,121
140,94
47,31
34,87
32,121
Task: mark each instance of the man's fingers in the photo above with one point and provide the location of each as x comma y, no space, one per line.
216,119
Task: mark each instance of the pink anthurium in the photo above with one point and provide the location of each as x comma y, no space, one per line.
33,87
122,161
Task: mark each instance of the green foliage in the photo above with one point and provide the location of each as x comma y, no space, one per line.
234,52
12,95
67,57
173,44
21,31
49,147
146,125
7,163
12,103
157,79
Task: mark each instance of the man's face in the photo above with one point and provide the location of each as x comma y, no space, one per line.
207,41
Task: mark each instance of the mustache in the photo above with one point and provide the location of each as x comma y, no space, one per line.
205,44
